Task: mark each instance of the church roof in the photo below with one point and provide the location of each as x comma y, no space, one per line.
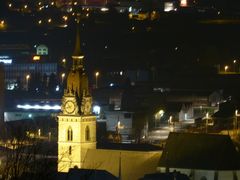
200,151
127,164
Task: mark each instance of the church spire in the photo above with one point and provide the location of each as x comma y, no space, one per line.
77,53
77,50
77,80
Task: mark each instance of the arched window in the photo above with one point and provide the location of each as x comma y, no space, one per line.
69,134
87,134
70,150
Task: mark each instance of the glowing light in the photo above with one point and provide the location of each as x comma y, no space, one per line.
104,9
207,115
36,58
57,88
170,120
119,125
5,59
63,76
159,114
225,68
183,3
96,109
27,76
9,5
39,107
236,113
111,84
168,6
130,9
40,22
25,6
97,74
65,18
2,24
49,20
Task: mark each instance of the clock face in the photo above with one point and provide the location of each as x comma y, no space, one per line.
69,107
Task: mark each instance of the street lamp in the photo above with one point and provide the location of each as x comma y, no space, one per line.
234,64
96,75
39,132
63,76
27,79
207,116
225,68
235,122
171,124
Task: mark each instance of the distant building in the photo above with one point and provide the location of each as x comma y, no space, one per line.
42,50
19,74
201,156
120,121
20,62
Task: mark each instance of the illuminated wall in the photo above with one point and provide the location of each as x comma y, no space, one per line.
76,134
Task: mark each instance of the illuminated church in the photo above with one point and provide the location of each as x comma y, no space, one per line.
77,132
76,123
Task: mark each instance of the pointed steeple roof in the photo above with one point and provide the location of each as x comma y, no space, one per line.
77,50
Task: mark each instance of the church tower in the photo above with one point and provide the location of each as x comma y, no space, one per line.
76,123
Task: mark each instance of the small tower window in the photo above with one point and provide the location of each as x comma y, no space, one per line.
70,150
69,134
87,134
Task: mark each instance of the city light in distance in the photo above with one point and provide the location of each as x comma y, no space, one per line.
104,9
5,59
36,58
39,107
96,109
